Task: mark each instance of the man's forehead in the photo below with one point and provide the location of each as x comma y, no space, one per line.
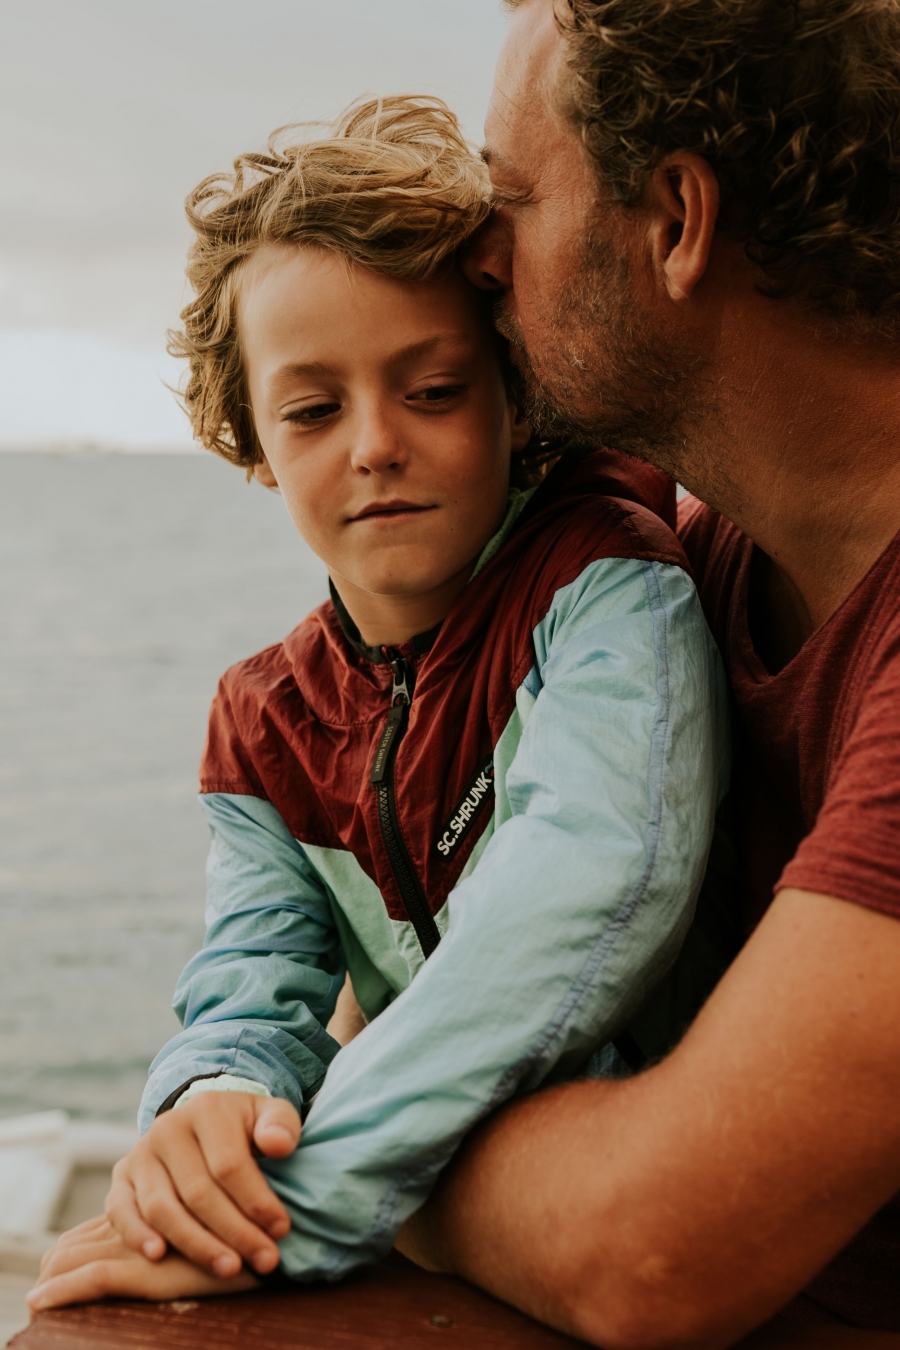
531,44
525,78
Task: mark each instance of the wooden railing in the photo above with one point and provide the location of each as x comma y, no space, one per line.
394,1306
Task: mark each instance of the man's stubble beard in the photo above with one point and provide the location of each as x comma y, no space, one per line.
601,375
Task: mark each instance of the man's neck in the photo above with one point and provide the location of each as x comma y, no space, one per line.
803,454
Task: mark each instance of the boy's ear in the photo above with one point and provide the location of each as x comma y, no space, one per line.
521,430
262,472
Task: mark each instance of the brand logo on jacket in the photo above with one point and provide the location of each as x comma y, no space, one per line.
466,810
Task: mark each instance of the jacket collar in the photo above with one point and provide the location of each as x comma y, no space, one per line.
419,645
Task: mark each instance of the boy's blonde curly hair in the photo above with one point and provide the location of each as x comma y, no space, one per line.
393,186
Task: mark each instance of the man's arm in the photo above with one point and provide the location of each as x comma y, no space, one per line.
685,1206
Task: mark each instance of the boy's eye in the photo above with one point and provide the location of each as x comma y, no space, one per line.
438,393
312,413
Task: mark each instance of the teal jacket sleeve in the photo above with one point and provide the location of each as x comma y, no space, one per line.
256,999
574,911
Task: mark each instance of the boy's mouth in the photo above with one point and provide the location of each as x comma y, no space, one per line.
390,510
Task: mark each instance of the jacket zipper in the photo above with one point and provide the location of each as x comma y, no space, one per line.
382,777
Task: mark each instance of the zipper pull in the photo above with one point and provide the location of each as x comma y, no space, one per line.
401,688
396,723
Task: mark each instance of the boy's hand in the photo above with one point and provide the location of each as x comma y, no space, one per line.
192,1181
92,1262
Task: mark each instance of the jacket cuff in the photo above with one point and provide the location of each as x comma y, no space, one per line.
222,1082
175,1097
253,1053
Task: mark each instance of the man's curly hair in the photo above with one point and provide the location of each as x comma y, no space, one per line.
392,185
794,103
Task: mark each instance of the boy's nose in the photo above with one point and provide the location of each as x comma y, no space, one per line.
487,259
377,447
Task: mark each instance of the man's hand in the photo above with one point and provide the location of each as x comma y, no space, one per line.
92,1262
192,1181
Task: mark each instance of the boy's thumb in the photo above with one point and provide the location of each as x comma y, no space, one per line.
277,1129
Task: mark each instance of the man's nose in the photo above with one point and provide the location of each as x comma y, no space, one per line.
487,260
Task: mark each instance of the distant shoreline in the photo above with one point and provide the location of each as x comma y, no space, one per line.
63,447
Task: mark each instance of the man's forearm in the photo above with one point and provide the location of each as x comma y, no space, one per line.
685,1206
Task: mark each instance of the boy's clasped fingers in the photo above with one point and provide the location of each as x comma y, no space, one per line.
85,1232
180,1199
202,1222
225,1127
93,1262
192,1182
122,1211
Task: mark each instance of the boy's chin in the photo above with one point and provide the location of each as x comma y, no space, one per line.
404,580
413,587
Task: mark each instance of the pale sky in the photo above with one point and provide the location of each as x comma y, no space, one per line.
110,111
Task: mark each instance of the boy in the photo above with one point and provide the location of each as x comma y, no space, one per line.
482,778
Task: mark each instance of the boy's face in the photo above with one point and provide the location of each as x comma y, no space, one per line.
384,418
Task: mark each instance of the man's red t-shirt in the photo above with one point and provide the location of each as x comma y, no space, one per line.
817,758
816,793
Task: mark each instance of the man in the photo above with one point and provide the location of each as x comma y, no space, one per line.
697,254
697,250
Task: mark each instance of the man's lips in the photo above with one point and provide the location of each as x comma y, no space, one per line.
389,510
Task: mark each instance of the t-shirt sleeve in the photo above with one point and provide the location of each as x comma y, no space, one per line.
853,850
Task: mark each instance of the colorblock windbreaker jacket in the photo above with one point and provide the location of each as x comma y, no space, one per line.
500,828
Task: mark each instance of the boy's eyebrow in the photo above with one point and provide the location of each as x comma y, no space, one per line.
281,378
293,370
414,349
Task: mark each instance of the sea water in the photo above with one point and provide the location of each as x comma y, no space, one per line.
128,583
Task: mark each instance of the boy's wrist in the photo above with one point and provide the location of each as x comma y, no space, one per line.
223,1082
212,1082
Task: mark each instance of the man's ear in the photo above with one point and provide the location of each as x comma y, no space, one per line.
520,429
683,200
262,472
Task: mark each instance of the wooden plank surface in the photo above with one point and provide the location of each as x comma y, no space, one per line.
393,1305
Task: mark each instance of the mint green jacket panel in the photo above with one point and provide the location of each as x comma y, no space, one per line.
574,911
